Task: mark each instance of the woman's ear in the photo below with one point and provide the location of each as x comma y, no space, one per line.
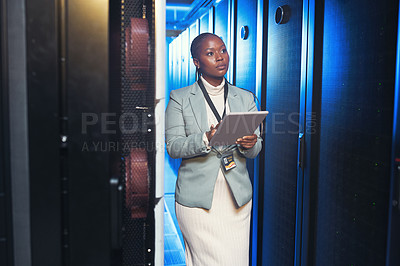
196,63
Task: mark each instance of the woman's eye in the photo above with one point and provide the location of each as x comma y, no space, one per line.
210,53
223,51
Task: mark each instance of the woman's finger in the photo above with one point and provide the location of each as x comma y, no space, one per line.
247,144
248,141
250,137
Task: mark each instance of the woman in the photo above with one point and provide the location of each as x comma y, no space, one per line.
213,204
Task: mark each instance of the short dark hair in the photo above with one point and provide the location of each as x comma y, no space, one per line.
194,47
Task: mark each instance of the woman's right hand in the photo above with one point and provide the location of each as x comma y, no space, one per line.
210,134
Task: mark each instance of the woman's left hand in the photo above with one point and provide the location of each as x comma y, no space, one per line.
247,142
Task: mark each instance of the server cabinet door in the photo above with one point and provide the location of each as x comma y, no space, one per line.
246,37
171,63
178,63
204,22
193,32
184,57
86,199
43,110
221,21
283,102
356,115
176,84
175,73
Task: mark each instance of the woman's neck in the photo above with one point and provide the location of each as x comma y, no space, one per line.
213,90
213,81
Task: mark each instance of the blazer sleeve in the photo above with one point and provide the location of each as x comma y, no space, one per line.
178,144
253,152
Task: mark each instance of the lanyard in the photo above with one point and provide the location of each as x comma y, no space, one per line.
224,151
210,103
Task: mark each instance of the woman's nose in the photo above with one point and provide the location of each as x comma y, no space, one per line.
219,57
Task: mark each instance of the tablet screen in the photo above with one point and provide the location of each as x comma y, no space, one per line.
237,125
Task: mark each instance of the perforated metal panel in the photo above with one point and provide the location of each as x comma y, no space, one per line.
136,124
356,124
283,103
245,54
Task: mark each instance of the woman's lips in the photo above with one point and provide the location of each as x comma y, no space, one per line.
221,67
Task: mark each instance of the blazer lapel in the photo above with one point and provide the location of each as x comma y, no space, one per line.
199,107
235,105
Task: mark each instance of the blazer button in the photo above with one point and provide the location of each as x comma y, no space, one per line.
218,155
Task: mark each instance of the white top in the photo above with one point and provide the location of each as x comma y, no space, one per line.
216,94
219,236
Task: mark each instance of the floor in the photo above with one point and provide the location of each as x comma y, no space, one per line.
174,253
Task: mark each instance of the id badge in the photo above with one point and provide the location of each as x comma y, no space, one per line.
228,162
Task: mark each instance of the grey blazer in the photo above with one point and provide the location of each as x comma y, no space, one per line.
186,122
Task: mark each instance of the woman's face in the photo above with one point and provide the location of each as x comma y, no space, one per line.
213,59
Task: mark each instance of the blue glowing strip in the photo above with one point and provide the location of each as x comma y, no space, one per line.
178,7
397,87
395,153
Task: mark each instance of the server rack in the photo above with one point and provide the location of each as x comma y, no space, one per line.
345,187
138,131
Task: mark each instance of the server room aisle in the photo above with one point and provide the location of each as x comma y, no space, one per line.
174,253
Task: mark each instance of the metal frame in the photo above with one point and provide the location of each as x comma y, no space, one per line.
160,83
305,64
310,106
18,126
5,176
261,85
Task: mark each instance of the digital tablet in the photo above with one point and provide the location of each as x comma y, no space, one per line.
237,125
